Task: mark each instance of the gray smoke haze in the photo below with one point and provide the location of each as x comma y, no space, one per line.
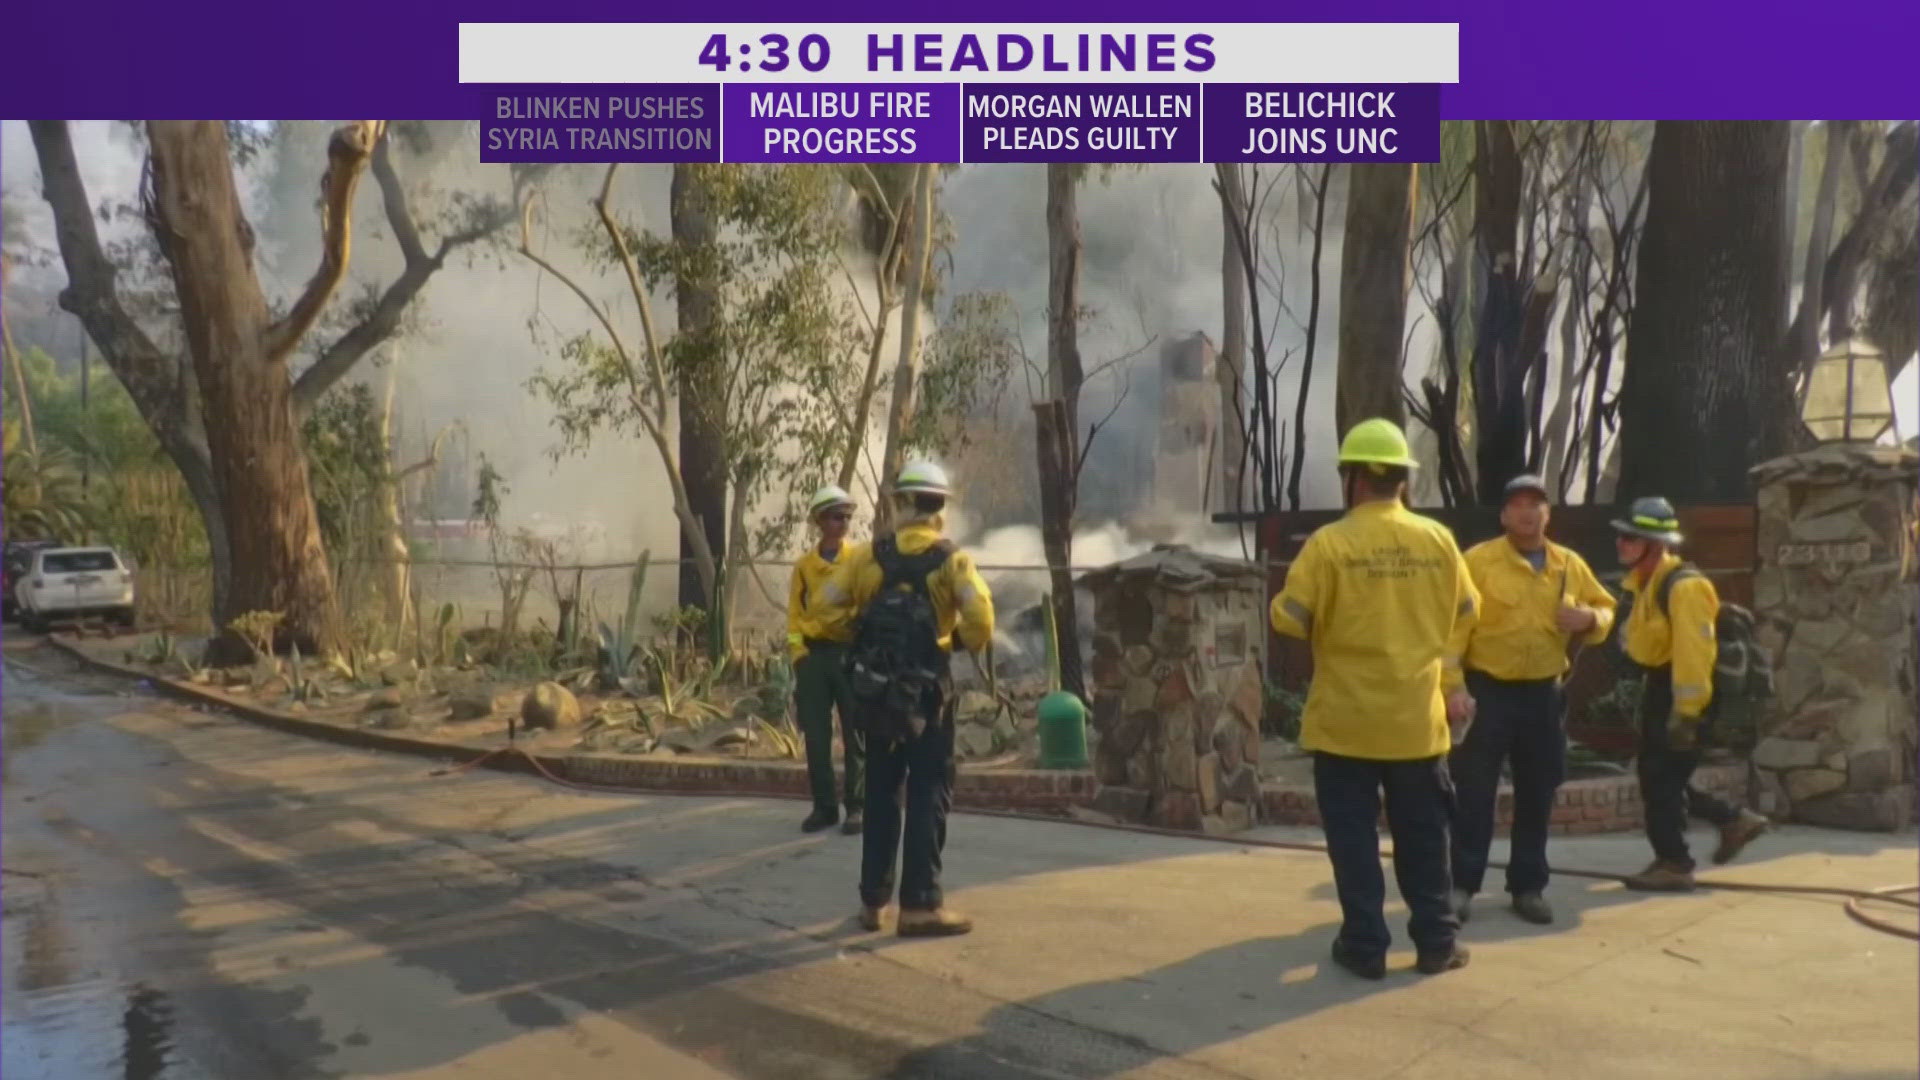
1151,270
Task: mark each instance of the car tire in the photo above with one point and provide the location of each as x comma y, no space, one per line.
126,617
31,622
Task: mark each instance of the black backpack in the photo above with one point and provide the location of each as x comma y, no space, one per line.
1742,668
896,668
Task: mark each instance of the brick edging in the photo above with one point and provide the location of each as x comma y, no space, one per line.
1600,804
1036,790
1594,805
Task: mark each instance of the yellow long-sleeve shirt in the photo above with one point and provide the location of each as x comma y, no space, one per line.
1682,638
1387,604
810,574
962,603
1516,638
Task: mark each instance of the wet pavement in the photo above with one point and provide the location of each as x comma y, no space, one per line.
190,896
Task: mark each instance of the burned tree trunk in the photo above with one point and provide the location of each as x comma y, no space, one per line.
1057,497
1375,261
1230,367
703,466
1705,394
1499,371
239,360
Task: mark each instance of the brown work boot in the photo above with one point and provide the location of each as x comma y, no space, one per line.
856,821
1661,876
938,922
1735,835
1436,963
870,917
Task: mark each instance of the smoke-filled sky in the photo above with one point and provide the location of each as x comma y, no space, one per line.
1151,270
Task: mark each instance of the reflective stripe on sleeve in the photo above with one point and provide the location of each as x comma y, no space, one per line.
1298,612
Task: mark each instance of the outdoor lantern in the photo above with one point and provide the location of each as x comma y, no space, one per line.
1847,396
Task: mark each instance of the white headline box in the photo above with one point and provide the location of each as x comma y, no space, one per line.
843,52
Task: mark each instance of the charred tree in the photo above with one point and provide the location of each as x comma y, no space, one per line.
1375,261
1499,369
1705,394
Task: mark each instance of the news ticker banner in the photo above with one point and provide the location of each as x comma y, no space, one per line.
1256,92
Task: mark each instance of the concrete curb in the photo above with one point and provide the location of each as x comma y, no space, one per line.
1599,805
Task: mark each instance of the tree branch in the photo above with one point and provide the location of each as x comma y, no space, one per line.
337,359
347,155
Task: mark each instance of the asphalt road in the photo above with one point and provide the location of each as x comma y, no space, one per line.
187,896
191,896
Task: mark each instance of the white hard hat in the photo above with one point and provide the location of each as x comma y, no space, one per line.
922,478
827,498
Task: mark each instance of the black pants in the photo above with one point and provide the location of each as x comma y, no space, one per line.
820,690
1521,722
1666,776
921,770
1419,799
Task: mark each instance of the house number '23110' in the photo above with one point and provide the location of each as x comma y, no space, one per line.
1829,553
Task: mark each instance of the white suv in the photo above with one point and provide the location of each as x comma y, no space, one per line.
70,583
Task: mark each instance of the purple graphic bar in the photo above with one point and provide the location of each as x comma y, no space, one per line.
1264,122
1114,122
660,122
842,122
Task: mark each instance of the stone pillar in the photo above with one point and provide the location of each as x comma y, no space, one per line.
1836,597
1177,689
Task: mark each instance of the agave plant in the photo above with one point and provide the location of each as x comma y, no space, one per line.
620,648
304,689
679,703
42,495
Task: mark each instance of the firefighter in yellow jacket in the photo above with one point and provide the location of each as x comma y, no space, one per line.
1535,595
819,659
908,601
1386,603
1670,634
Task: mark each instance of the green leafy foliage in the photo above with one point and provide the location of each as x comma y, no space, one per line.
41,492
347,460
1283,712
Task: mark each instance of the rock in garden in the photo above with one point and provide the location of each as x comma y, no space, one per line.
471,704
730,737
976,740
385,719
974,705
681,741
551,706
391,698
400,674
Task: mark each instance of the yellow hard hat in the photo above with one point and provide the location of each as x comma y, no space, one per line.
1377,442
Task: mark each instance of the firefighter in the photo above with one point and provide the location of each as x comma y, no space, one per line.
913,598
1676,648
1535,595
1384,599
820,684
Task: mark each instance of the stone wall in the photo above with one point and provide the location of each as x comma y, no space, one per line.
1837,600
1177,689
